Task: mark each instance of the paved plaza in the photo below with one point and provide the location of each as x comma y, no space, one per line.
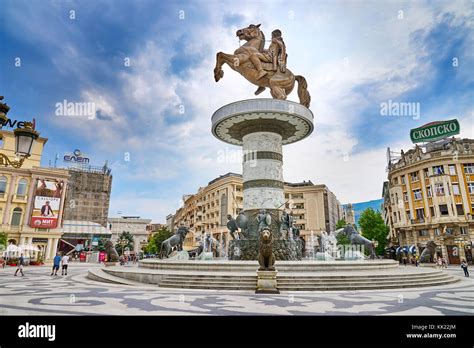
40,294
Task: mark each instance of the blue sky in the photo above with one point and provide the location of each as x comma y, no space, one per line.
153,116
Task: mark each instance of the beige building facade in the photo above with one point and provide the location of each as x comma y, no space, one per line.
17,195
429,195
314,207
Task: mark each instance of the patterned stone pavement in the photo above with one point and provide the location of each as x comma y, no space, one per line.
40,294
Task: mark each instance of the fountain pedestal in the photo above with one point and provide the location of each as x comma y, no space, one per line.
262,127
267,282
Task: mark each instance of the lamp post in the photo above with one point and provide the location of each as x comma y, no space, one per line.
24,139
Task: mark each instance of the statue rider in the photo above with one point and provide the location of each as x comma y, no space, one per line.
285,224
276,54
264,220
232,225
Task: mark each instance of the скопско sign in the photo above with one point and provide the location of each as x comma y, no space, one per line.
434,131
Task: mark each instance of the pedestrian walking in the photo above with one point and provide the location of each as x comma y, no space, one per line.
64,262
464,268
56,262
21,263
444,264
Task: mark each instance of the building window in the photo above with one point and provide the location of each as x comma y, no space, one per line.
395,181
432,212
394,217
436,231
452,169
414,176
420,214
469,168
456,189
439,189
463,230
21,189
428,191
408,215
417,194
470,187
405,196
403,179
3,185
438,170
16,217
422,233
443,209
459,209
426,172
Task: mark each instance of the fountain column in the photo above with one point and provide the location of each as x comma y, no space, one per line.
262,127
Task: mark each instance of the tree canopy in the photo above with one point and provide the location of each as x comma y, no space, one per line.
373,228
124,241
154,244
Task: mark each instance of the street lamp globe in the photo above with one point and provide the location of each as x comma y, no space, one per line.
25,137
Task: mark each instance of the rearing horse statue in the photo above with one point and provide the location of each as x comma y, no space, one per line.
280,81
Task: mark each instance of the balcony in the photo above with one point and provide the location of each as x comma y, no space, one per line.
418,221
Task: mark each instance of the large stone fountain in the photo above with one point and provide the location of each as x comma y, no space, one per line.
262,127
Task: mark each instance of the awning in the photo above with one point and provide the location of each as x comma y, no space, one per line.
412,249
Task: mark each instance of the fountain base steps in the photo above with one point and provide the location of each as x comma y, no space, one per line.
313,276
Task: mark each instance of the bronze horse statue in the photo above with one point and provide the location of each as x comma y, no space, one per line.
280,81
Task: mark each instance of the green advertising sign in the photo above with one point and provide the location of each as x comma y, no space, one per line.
434,131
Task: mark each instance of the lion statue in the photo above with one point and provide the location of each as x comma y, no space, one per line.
428,253
266,257
112,255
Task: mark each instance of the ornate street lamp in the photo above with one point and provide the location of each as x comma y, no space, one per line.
24,139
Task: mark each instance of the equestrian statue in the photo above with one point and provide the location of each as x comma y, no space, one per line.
265,68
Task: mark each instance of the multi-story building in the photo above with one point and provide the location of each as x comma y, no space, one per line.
133,224
88,194
315,208
25,194
170,221
430,196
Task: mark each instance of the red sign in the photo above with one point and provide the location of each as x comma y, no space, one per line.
43,222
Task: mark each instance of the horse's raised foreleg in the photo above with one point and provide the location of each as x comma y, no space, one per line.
230,59
222,58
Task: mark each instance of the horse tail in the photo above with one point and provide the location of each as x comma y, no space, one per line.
303,93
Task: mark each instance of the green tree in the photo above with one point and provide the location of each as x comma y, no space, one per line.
340,224
3,238
154,244
342,239
3,241
101,245
125,240
373,228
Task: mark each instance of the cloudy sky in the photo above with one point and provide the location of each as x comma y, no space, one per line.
147,67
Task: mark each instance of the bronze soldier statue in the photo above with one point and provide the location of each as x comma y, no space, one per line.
276,54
